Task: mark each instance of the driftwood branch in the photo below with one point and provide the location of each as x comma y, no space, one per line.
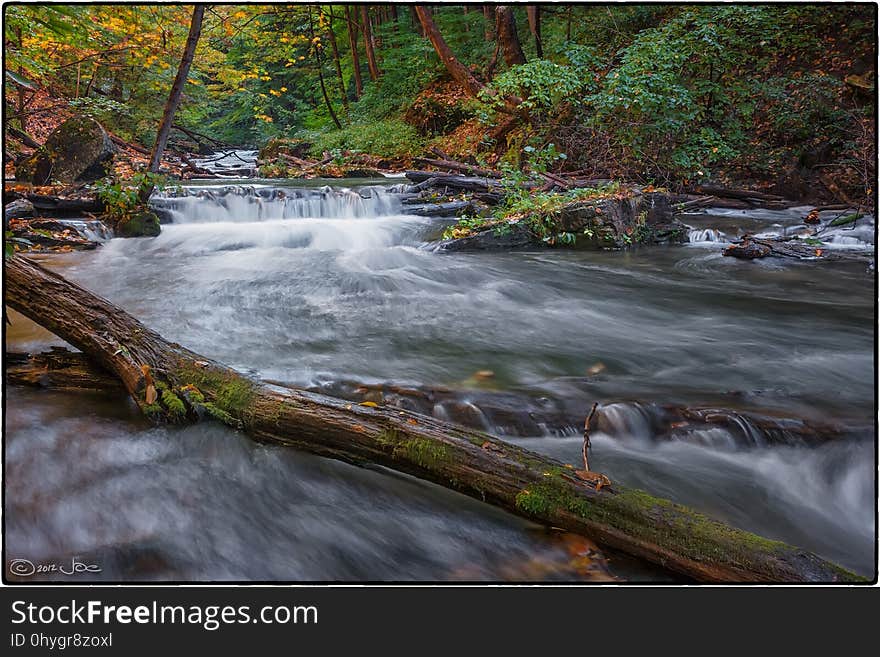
169,382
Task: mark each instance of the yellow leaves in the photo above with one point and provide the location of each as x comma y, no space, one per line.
369,404
283,89
265,118
239,15
274,92
151,395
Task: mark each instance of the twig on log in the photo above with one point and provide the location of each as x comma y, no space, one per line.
587,444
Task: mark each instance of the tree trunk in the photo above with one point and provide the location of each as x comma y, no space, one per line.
534,14
414,19
489,29
508,36
368,43
21,101
355,59
316,48
170,382
189,51
457,70
336,59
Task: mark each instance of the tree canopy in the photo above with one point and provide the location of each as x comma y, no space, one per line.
666,93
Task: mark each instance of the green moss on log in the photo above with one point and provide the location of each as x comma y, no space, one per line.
428,454
175,406
692,534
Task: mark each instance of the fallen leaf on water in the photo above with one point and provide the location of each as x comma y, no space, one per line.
596,368
818,253
411,421
484,374
369,403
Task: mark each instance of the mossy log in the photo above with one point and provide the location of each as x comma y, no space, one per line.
171,383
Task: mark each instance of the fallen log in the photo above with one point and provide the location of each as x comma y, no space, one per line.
194,168
59,205
742,194
460,167
24,137
119,141
451,182
749,248
169,382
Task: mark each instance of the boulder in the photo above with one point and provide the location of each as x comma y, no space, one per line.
139,224
79,150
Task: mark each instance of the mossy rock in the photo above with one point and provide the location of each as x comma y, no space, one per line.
139,224
79,150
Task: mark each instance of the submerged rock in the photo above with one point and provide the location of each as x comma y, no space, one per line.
747,250
510,237
79,150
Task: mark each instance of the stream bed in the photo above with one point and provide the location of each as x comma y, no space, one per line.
310,284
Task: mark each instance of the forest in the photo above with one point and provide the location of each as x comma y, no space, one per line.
449,292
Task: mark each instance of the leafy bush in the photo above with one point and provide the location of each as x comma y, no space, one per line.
122,199
391,138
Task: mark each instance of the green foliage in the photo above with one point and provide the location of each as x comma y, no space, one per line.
390,137
541,84
11,241
122,199
656,92
538,212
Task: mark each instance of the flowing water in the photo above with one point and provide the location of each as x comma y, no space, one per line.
314,285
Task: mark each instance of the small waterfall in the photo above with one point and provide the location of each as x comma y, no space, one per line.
710,427
697,235
249,203
90,229
630,420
